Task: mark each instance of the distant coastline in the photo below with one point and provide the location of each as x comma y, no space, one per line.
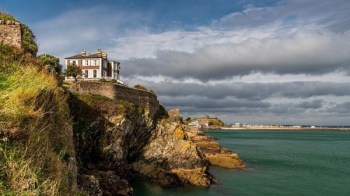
279,128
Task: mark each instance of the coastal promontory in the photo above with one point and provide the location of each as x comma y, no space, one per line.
89,137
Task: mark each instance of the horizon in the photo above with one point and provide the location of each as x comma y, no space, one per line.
249,61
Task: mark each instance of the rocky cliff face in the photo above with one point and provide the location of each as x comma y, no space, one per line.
116,141
170,158
213,152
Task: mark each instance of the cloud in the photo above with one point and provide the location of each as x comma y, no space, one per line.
328,14
282,52
291,38
285,64
89,28
251,91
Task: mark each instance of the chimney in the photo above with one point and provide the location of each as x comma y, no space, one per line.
83,52
98,51
104,55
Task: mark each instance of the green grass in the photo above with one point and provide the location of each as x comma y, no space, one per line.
36,141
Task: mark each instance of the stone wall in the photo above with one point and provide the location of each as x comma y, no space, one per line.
10,33
120,92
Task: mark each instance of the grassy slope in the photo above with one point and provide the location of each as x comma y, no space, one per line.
36,142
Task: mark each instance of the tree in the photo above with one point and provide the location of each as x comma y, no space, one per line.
53,61
74,71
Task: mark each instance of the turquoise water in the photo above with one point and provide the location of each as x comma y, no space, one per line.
279,163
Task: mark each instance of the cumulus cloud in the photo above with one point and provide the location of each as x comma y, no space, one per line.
88,28
328,14
251,91
285,63
281,52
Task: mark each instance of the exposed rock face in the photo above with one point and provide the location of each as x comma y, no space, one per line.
116,140
10,33
108,135
213,152
171,159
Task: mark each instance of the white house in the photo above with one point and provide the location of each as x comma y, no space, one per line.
95,65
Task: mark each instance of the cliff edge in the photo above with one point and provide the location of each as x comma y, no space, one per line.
90,140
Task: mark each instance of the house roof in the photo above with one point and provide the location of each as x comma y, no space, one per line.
79,56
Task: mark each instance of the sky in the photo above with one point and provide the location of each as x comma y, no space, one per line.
247,61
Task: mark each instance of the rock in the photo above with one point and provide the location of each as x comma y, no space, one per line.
115,140
104,183
89,185
171,159
225,159
212,150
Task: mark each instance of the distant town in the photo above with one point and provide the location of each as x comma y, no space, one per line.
214,123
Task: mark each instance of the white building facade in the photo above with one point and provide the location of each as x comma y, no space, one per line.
95,66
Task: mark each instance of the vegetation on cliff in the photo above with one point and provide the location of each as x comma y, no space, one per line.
36,144
54,62
44,130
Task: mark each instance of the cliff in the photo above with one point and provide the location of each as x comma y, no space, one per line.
37,155
121,139
92,139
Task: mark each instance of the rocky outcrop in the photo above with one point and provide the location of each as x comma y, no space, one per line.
171,159
212,150
108,136
117,141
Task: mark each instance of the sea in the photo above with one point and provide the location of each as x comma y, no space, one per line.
278,163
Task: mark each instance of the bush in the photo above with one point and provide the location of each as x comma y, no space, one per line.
161,113
54,62
102,80
28,40
114,81
4,16
138,86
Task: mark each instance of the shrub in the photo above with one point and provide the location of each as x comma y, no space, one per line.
54,62
102,80
152,91
138,86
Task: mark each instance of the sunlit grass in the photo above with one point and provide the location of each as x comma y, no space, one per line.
36,141
18,89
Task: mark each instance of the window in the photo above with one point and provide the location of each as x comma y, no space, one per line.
74,62
95,62
95,73
86,73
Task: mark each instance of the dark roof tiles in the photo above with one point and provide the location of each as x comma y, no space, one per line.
79,56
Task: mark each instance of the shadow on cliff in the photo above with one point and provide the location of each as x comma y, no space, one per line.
102,144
